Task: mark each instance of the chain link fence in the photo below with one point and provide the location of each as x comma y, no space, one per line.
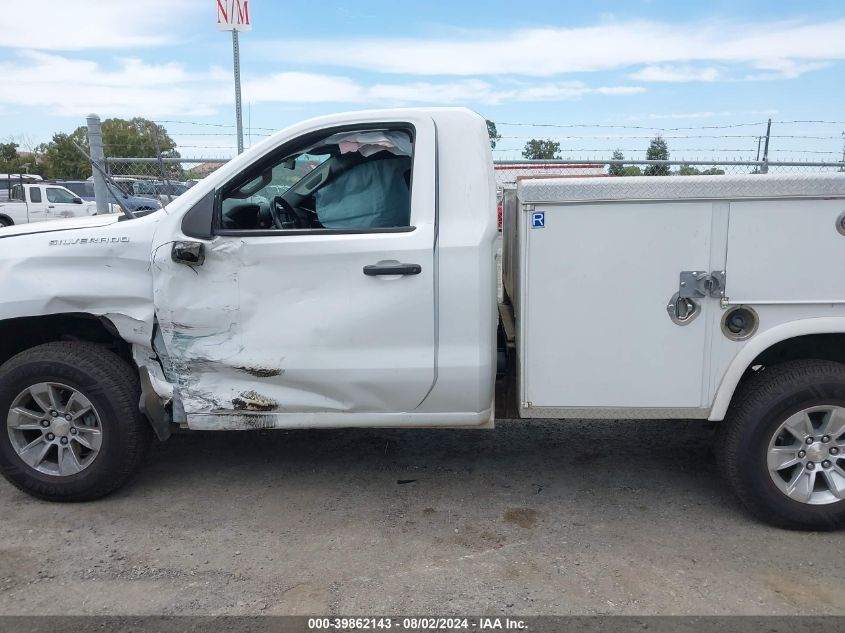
152,172
508,172
585,149
161,169
588,149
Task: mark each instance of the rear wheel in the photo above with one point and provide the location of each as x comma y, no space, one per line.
5,222
73,431
782,446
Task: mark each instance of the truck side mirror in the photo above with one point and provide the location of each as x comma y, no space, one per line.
77,200
190,253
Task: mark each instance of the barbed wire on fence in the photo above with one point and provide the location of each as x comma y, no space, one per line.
808,148
508,171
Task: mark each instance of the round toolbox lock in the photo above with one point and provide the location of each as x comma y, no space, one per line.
840,223
740,323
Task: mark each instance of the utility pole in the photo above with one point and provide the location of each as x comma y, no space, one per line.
233,15
843,152
98,157
238,111
765,168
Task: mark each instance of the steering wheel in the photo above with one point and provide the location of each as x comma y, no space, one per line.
284,215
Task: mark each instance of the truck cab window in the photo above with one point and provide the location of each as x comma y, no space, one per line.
142,188
357,180
56,195
34,194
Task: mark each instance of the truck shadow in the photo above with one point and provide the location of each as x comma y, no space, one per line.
644,470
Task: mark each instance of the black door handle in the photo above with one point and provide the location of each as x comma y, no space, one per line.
392,269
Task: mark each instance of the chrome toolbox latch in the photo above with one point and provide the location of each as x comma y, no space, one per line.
695,284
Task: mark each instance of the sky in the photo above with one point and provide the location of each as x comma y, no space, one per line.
595,76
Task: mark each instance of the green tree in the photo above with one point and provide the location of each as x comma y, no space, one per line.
541,149
632,170
122,138
689,170
136,137
616,169
61,159
8,151
495,137
10,161
657,150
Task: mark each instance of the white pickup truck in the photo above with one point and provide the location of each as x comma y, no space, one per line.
36,202
365,295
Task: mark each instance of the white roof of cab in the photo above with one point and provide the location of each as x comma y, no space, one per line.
549,190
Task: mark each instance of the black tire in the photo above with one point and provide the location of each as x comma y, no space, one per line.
759,407
5,222
111,386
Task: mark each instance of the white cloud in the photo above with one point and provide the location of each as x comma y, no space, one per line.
75,87
300,87
670,73
305,88
73,25
784,69
687,115
552,51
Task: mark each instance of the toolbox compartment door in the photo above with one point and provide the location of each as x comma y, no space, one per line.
594,329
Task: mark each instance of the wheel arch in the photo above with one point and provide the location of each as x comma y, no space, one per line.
822,337
8,220
21,333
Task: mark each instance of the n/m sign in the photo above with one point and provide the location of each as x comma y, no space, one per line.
233,15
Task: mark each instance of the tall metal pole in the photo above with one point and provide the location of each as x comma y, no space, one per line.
238,112
95,145
843,152
765,168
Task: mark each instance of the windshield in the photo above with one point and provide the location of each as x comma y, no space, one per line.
81,189
142,188
302,167
59,195
174,189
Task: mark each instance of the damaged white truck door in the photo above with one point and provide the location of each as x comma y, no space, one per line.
304,317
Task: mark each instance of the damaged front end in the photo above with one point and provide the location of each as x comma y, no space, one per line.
157,394
87,279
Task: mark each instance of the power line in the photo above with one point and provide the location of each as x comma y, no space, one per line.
640,150
219,125
632,127
812,121
562,125
611,137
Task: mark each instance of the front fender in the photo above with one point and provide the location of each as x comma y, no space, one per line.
96,266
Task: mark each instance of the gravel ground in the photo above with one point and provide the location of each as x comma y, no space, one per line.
532,518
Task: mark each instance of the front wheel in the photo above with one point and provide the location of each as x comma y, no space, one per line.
73,430
782,446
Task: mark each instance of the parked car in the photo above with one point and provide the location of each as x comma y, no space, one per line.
24,176
85,190
161,191
36,202
7,180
